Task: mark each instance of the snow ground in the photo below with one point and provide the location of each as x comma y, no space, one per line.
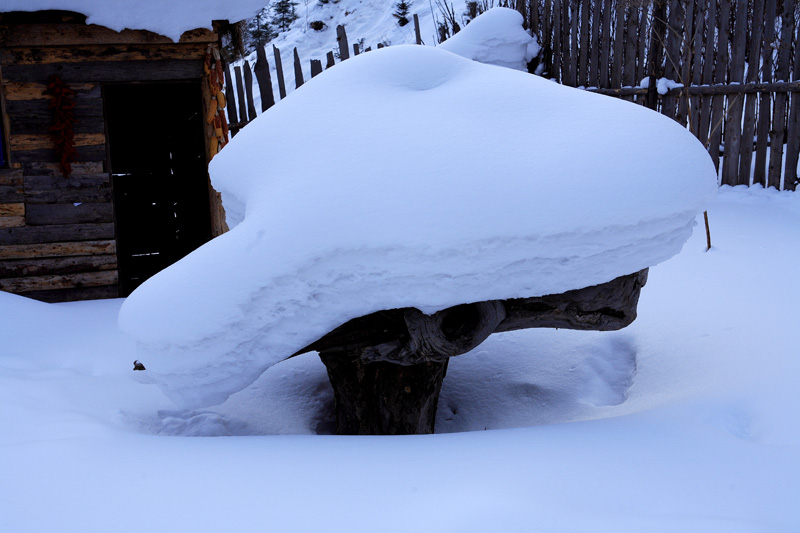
684,421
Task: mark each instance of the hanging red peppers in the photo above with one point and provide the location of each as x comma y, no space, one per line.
62,104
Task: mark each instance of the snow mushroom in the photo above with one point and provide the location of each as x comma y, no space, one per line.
415,180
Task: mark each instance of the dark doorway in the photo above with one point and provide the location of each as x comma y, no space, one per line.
159,176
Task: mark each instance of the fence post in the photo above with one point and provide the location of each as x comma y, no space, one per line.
279,71
344,48
754,55
656,48
733,120
264,79
330,60
316,67
230,98
240,95
416,29
298,70
248,86
778,134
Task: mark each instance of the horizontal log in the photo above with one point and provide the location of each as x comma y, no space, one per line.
400,336
50,214
10,176
39,108
74,295
21,285
41,168
42,141
41,125
95,188
58,249
699,90
17,34
95,153
100,71
36,91
57,265
12,210
10,194
114,52
57,233
12,222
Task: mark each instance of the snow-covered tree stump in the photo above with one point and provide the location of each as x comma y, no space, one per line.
387,368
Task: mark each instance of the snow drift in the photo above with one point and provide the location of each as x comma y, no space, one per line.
494,184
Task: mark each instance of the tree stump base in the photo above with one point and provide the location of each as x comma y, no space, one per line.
381,398
387,368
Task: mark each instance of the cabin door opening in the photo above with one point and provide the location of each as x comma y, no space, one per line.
159,175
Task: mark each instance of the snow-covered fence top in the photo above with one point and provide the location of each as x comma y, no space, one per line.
486,183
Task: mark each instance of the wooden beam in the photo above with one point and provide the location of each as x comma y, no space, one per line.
58,249
39,141
101,71
21,285
18,35
79,54
74,213
12,210
57,266
56,233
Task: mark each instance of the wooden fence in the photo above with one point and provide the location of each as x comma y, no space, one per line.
727,70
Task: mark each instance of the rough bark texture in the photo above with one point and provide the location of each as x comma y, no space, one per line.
387,368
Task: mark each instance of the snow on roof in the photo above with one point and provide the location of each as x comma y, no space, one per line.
410,176
169,18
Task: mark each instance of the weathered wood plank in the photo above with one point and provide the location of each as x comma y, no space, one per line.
85,153
35,91
11,194
18,35
248,87
77,188
557,35
298,70
41,168
75,54
574,18
672,50
619,47
583,58
264,79
12,222
765,103
58,249
658,29
750,117
344,46
76,213
279,71
38,141
230,97
11,176
237,73
685,68
733,117
793,133
74,295
720,71
631,38
100,71
697,64
86,107
644,24
41,125
605,39
777,135
56,265
57,233
21,285
316,67
707,75
12,210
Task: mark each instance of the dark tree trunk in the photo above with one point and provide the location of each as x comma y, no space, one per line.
381,398
387,368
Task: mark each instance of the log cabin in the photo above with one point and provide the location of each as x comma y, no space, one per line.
105,142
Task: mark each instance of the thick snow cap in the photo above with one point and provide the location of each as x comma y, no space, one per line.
169,18
410,176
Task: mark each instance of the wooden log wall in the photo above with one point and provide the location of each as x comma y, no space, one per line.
57,234
737,63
